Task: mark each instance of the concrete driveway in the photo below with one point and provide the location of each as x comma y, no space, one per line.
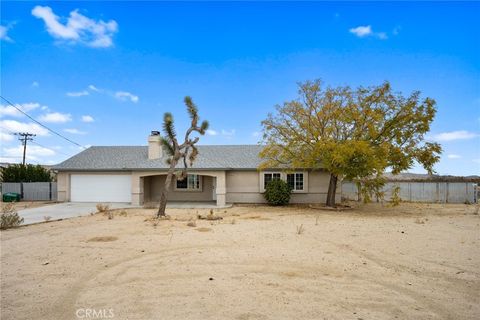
63,211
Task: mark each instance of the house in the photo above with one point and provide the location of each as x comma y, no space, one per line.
221,173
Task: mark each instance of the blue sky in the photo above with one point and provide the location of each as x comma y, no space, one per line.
103,73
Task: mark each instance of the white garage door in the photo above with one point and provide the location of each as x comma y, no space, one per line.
100,188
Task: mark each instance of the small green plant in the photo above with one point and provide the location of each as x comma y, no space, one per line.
277,193
9,217
395,199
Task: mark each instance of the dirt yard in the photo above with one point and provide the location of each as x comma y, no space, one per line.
374,262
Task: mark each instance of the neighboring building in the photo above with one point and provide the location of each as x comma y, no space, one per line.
221,173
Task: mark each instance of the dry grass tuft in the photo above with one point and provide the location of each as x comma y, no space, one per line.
9,217
204,229
123,213
192,223
234,221
101,207
419,221
102,239
300,229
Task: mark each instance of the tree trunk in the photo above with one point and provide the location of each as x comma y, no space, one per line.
163,196
332,189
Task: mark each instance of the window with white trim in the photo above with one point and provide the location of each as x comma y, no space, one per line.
191,182
295,181
267,177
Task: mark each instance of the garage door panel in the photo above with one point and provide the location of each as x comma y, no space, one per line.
100,188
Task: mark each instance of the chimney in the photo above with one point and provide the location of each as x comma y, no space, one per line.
154,146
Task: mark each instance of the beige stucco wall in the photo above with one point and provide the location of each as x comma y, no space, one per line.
231,187
154,185
245,187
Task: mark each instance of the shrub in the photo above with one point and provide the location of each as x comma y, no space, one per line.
277,193
102,207
25,173
10,217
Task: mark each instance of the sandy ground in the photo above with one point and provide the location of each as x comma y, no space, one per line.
374,262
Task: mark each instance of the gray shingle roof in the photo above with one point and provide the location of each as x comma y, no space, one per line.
136,158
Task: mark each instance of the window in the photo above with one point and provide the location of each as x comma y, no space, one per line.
267,177
295,181
191,182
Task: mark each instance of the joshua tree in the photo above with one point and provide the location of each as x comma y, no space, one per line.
185,153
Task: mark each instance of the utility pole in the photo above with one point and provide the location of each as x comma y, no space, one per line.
24,137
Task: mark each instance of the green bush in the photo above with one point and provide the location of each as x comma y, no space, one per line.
277,193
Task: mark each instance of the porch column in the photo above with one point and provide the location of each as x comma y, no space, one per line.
137,190
221,189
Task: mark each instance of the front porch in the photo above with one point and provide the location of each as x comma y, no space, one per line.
206,189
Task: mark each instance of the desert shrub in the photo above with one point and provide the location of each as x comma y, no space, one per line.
9,217
395,199
277,193
101,207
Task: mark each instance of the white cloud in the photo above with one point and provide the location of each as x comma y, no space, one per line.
35,84
74,131
124,95
87,118
77,28
93,88
3,33
16,126
228,133
453,156
78,93
454,135
33,152
8,110
367,31
476,160
5,137
211,132
55,117
361,31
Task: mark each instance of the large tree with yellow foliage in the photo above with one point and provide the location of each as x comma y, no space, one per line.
355,134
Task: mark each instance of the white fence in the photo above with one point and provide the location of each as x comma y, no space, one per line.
439,192
32,191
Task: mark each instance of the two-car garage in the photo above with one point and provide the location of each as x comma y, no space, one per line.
100,188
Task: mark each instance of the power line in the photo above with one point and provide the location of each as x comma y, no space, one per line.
49,148
41,124
36,143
